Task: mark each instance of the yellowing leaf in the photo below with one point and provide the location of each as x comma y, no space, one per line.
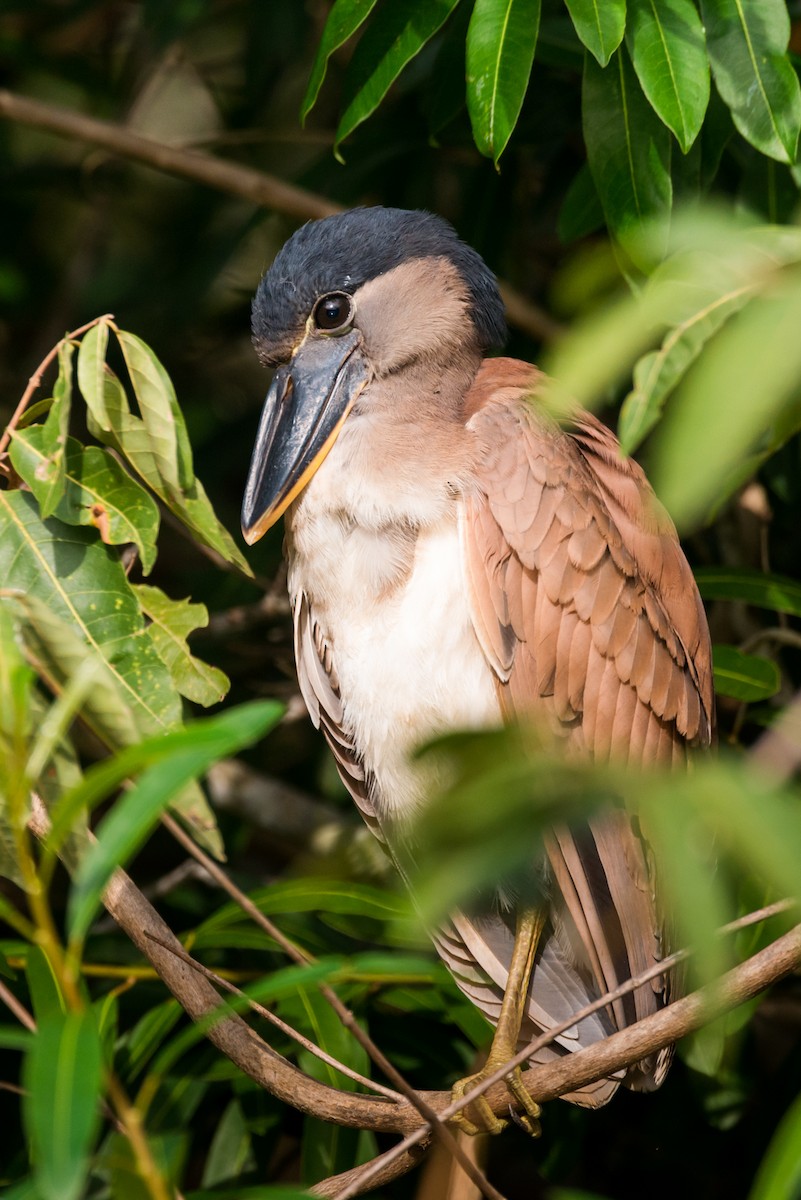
172,622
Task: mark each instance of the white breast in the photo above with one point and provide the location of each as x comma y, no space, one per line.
395,613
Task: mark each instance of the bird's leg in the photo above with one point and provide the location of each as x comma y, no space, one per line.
528,930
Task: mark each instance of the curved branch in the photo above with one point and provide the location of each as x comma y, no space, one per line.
257,186
239,1042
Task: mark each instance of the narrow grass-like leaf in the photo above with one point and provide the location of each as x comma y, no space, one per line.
103,778
43,984
63,1083
327,1149
171,623
746,677
51,471
779,1174
501,40
133,816
231,1152
345,17
739,401
747,42
628,148
759,588
666,41
158,406
385,49
98,492
660,371
600,24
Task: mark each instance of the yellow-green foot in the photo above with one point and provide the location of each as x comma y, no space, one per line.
478,1117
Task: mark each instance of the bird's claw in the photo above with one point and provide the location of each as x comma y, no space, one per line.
485,1119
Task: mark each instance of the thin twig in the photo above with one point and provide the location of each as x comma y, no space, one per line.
36,379
256,186
20,1012
275,1020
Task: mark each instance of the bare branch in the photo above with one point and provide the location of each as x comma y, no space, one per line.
399,1165
257,186
35,380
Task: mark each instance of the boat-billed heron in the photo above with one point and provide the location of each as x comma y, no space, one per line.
456,558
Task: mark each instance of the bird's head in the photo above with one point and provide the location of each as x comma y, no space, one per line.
350,299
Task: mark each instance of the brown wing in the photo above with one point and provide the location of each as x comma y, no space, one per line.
588,614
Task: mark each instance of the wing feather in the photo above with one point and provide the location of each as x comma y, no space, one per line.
603,635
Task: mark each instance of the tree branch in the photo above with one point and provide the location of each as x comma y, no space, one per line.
257,186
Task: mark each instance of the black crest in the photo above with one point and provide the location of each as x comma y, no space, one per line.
340,253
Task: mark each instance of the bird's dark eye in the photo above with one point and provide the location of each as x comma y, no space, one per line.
334,312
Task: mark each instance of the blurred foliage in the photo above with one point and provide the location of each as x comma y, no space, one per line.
603,120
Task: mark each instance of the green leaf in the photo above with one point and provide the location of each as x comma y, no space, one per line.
600,25
76,602
384,50
43,985
230,1153
581,211
345,17
628,148
98,492
666,41
156,444
79,582
172,622
660,371
734,408
747,43
501,40
775,592
745,677
129,822
54,434
779,1173
63,1080
327,1148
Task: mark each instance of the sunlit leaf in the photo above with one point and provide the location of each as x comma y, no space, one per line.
156,444
98,493
345,17
384,50
666,41
171,623
62,1077
628,147
54,434
132,694
136,811
734,403
759,588
660,371
501,40
747,43
78,581
746,677
600,24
